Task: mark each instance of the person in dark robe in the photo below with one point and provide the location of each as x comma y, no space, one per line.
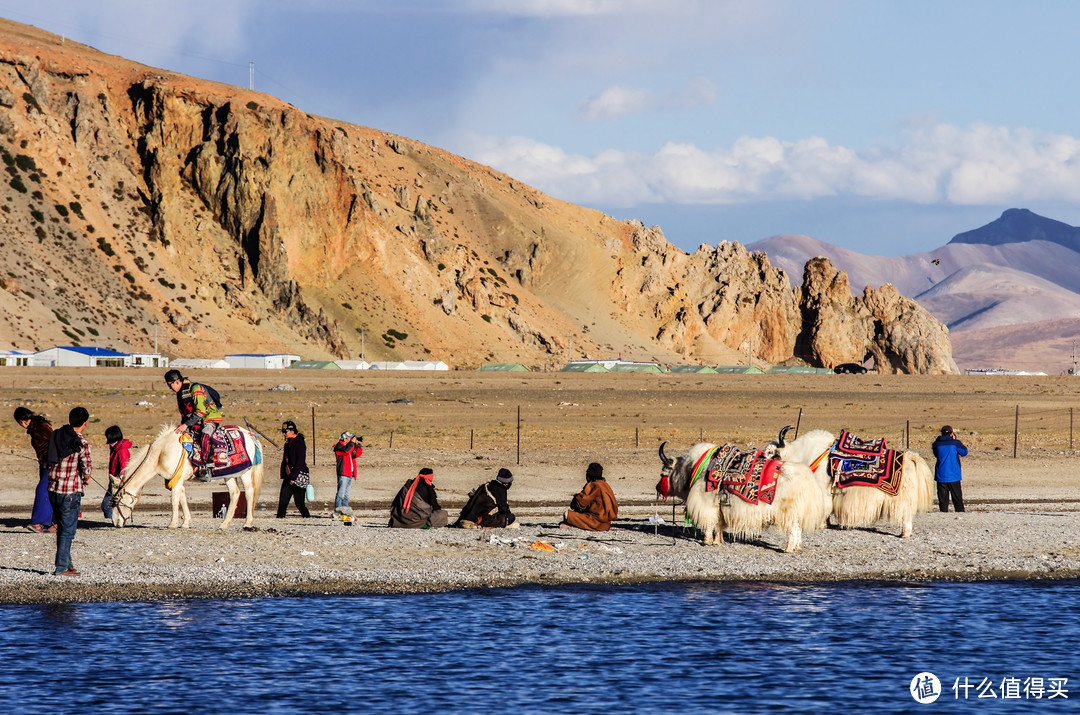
416,505
488,507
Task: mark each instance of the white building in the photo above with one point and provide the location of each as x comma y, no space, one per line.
78,356
19,358
146,360
262,361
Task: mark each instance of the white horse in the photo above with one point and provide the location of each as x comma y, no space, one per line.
167,457
862,505
799,504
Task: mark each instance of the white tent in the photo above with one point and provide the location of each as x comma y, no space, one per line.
197,364
411,365
262,361
353,364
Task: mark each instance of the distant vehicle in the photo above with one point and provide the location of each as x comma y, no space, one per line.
849,368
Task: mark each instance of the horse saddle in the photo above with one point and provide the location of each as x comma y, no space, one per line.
228,455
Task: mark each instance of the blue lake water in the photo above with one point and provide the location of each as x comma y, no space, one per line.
688,648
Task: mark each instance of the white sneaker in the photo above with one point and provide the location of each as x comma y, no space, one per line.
515,525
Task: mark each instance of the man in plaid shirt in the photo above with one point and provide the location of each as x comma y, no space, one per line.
69,472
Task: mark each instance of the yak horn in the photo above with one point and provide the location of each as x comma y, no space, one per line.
783,432
663,457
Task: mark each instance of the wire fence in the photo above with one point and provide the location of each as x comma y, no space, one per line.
1017,431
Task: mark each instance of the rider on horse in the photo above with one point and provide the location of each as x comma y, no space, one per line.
199,413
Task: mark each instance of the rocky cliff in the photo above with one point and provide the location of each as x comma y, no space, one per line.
144,208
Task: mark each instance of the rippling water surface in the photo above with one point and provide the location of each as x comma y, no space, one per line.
738,648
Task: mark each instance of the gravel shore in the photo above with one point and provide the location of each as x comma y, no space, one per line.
1023,495
321,555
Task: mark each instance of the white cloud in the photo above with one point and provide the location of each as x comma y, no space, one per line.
614,102
619,100
973,165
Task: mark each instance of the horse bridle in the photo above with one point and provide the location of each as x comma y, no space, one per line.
118,499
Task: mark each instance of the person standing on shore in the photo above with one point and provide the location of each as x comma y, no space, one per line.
947,451
416,505
119,456
294,471
347,449
595,506
39,429
486,498
69,473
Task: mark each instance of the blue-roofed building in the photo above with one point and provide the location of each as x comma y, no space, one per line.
80,356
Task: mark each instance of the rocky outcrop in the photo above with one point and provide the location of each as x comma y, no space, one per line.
898,334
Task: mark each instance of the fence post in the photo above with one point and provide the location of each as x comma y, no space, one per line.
313,440
1016,430
519,435
391,439
798,421
907,434
1070,428
470,440
636,438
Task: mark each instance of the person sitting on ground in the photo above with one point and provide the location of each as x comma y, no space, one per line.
416,505
39,429
594,507
199,413
477,512
119,455
347,449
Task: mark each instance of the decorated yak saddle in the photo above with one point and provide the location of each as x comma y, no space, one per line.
227,451
747,475
853,462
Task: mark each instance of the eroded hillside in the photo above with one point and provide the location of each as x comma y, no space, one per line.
147,208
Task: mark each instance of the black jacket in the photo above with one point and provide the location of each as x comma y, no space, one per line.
294,460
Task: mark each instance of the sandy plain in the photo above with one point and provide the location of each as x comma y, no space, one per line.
1021,484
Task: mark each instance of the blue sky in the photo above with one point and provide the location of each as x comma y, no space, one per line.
885,127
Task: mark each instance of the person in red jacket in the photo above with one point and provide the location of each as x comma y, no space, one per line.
347,449
119,456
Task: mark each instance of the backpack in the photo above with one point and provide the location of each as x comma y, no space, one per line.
214,395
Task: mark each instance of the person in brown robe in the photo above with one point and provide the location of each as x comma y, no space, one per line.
594,507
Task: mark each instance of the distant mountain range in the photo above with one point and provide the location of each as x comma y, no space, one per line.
1009,291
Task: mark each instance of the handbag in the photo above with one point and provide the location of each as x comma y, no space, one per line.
309,492
303,479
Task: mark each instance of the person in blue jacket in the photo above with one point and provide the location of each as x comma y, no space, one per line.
947,451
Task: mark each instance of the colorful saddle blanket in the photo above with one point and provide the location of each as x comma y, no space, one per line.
747,475
853,462
227,448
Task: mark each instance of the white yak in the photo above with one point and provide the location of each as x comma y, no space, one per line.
861,505
799,504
